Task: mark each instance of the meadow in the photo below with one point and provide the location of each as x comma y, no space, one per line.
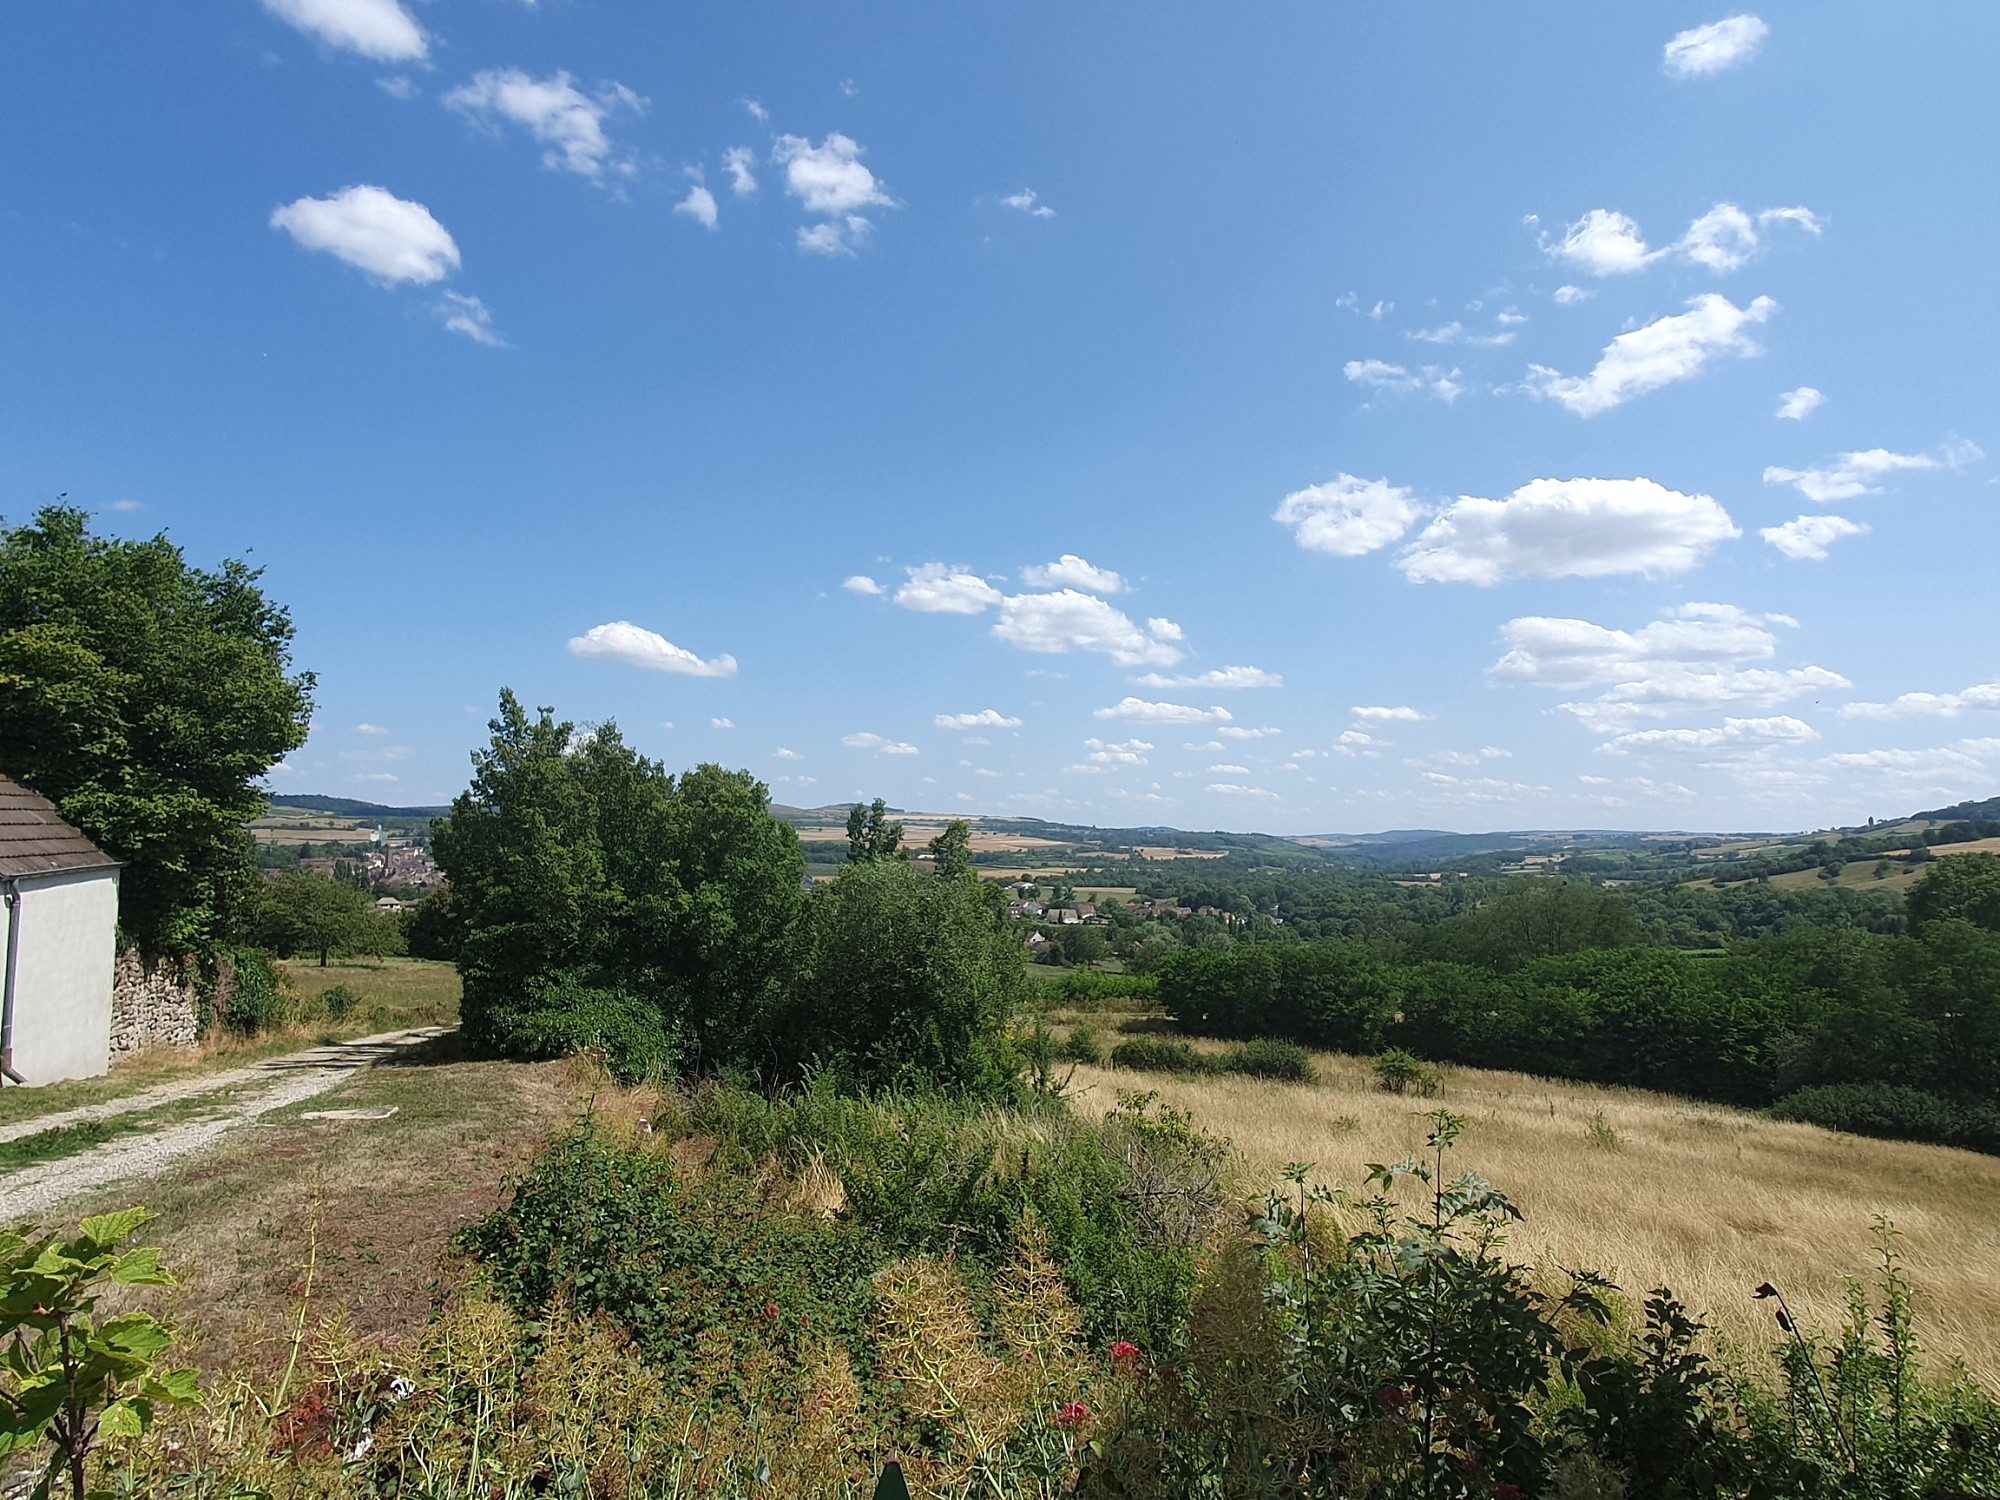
1647,1188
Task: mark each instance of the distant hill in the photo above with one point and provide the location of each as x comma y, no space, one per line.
1964,812
348,807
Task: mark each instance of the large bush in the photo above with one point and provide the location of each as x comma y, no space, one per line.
1885,1109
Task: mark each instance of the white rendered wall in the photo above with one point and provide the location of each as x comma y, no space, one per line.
62,988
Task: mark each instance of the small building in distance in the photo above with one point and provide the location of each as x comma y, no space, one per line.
61,902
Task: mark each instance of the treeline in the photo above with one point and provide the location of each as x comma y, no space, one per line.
1894,1034
601,902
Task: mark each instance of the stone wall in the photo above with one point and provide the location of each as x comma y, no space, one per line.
152,1004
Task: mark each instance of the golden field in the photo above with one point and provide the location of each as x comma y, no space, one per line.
1707,1200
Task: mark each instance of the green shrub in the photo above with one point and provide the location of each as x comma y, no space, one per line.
256,996
1265,1058
1083,1045
1159,1054
339,1000
1086,989
1894,1113
1399,1072
566,1015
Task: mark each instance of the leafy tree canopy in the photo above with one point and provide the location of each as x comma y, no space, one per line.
1966,886
146,699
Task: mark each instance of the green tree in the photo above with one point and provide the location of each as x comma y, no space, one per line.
951,850
308,913
872,835
1966,886
146,699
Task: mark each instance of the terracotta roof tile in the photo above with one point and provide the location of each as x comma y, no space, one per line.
34,840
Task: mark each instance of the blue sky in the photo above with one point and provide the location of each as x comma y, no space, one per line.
1309,417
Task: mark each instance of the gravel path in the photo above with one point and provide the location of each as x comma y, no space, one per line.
32,1191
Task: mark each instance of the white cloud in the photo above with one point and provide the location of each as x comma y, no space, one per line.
1111,754
1226,769
1215,677
1731,734
1689,661
784,754
374,776
1071,571
1852,474
828,179
1796,405
390,238
938,589
879,744
1981,695
397,86
1024,202
835,236
1140,711
1567,295
1068,620
1457,333
1400,713
471,317
1467,791
377,29
554,111
1667,350
1603,242
757,111
1380,375
1352,738
736,161
1966,759
635,646
1237,732
1808,537
1348,516
986,718
1568,528
369,729
721,723
1232,789
861,583
699,205
1702,50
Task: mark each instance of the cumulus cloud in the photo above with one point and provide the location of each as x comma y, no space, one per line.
986,718
569,122
622,641
1238,732
1112,754
835,236
1068,620
880,744
831,181
699,205
1400,713
1704,50
1669,349
1807,538
390,238
1565,296
1071,571
721,723
1025,202
380,30
1456,332
1852,474
938,589
1348,516
1568,528
1981,695
1728,237
1215,677
471,317
1233,789
738,162
1140,711
1796,405
1729,735
861,583
1689,661
1380,375
1227,769
783,754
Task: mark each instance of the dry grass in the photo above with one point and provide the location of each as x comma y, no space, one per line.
1707,1200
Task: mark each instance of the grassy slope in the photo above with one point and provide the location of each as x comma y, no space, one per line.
1707,1200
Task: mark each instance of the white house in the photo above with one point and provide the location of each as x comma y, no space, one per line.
61,896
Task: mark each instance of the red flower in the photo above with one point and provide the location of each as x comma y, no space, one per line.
1072,1415
1124,1353
770,1309
1392,1398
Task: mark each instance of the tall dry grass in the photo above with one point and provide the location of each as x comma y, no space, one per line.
1650,1189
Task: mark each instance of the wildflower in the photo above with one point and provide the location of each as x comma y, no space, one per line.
1392,1398
1124,1353
1072,1415
770,1309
